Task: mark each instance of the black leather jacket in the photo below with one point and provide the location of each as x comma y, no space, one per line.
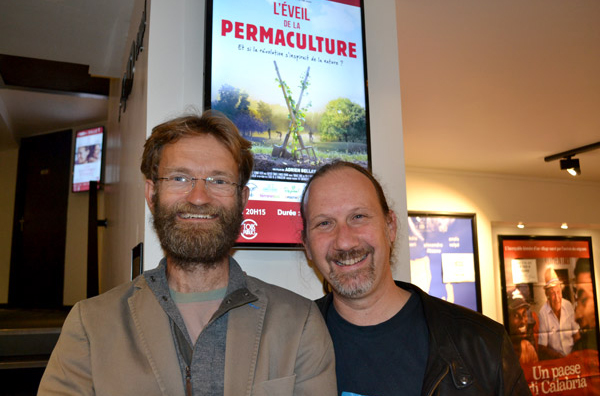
469,354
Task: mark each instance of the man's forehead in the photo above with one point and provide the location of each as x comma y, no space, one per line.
206,144
584,277
345,176
553,289
340,191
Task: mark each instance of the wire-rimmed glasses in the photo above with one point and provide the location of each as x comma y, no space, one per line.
215,185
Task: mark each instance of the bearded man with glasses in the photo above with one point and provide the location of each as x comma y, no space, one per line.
197,324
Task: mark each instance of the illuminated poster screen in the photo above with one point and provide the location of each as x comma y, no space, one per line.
87,164
443,257
291,76
549,303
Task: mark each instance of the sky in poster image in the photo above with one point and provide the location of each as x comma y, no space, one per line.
247,64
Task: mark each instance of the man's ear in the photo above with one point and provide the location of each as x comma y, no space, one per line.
306,248
392,225
149,193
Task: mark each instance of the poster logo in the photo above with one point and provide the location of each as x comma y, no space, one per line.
249,229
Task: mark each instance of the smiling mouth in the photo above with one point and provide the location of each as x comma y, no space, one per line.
196,216
348,261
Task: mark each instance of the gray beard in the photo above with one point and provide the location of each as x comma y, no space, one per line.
353,284
192,245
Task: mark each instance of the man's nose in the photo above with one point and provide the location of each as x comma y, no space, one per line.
345,237
199,194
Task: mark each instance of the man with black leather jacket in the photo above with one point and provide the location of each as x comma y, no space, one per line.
391,338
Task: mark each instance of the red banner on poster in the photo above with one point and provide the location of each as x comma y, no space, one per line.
545,249
271,222
575,374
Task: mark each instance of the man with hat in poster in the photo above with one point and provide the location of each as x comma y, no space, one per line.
558,329
518,320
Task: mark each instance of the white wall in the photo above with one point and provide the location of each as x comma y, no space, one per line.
500,200
8,183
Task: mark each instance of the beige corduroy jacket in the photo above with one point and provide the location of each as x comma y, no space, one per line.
120,343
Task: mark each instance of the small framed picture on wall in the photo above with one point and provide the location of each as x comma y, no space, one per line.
443,256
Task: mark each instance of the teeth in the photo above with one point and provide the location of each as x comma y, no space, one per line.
195,216
523,329
350,261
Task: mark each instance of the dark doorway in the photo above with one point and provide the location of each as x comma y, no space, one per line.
40,222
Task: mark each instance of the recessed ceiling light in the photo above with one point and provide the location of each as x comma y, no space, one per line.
521,225
564,226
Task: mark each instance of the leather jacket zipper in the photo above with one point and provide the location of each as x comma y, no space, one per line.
188,381
437,382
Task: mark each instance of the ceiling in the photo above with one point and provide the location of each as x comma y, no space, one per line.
54,39
487,87
496,86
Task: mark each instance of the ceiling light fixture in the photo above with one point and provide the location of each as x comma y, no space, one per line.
564,226
571,166
521,225
568,163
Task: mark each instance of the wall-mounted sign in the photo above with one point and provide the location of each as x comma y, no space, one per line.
137,46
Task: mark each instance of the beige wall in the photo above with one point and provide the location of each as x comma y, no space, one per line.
501,200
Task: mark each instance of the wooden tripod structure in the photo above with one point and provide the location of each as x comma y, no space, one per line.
304,152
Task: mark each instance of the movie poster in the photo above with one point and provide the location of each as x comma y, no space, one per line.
291,76
443,259
87,164
550,312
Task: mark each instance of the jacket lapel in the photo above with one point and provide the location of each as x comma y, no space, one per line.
444,357
155,338
244,331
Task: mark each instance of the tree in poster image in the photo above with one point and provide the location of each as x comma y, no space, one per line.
247,123
266,114
235,104
227,101
343,121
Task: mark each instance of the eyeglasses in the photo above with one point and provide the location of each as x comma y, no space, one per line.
184,184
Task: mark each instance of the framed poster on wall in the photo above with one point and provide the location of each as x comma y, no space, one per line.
550,313
292,77
443,256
